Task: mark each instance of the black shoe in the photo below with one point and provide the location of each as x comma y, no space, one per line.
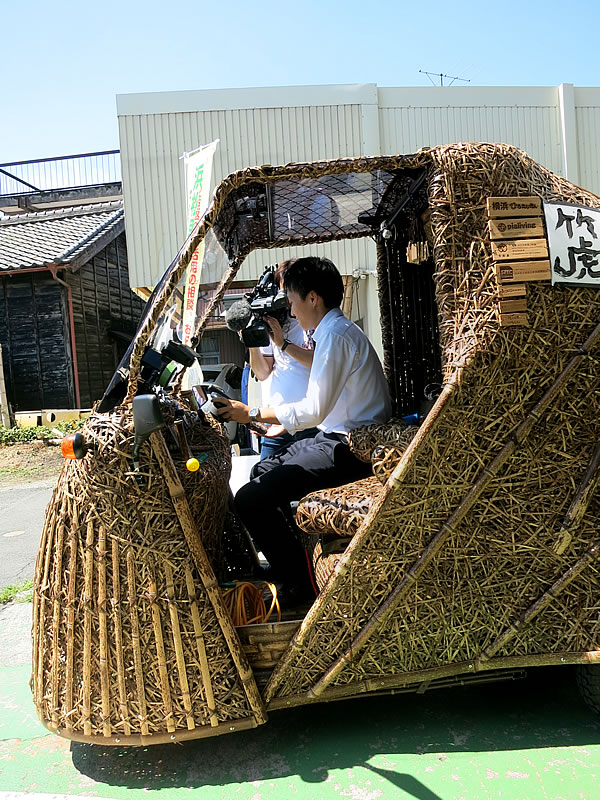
295,595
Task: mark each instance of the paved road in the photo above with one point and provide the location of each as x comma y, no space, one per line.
531,739
22,510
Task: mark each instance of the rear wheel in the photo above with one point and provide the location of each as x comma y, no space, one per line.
588,682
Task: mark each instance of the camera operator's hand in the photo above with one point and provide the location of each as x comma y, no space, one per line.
276,331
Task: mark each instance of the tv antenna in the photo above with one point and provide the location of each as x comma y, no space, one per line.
441,76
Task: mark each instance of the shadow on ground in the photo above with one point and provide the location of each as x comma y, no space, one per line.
542,711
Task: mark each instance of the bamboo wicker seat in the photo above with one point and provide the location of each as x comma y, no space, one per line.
385,459
341,511
395,432
335,513
323,565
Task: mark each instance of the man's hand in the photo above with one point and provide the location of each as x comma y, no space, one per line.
233,410
276,332
274,430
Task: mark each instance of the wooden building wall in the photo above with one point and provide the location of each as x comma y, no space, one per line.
35,342
105,313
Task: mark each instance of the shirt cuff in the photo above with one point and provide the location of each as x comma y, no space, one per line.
286,415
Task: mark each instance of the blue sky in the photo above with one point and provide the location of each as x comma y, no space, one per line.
64,62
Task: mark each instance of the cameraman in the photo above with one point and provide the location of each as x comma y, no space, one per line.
284,366
347,389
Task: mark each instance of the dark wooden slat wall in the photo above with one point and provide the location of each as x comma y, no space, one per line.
102,302
231,348
35,346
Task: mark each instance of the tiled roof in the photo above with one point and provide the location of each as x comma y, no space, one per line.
67,236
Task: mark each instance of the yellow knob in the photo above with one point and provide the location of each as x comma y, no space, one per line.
192,464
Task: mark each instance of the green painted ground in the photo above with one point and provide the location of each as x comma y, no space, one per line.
515,741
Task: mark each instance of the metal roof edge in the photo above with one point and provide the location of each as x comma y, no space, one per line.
62,213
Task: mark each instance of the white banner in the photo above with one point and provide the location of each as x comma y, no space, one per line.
198,172
574,241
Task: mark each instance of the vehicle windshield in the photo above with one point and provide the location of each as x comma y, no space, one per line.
274,216
262,209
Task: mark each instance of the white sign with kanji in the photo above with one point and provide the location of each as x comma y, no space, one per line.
574,243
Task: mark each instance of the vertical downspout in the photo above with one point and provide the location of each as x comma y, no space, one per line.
53,270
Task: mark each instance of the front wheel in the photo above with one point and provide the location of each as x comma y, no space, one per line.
588,683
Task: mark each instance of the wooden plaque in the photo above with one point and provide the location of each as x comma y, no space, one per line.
516,228
519,249
513,319
520,271
514,206
513,306
509,290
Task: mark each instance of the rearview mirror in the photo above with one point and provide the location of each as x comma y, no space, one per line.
147,418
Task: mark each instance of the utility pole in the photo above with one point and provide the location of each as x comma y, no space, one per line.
4,410
441,76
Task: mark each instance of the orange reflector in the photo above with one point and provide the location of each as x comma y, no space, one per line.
73,446
66,447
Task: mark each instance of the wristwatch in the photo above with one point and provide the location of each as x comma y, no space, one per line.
285,344
254,414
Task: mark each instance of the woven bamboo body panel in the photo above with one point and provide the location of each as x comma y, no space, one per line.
464,558
127,647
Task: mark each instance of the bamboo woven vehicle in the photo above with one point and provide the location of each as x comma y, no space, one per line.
471,552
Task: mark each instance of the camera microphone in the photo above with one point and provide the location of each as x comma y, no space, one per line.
238,315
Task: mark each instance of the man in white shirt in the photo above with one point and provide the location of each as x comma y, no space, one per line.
346,389
284,368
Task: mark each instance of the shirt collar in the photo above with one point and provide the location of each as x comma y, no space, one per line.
332,314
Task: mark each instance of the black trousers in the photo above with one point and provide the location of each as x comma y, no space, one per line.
262,504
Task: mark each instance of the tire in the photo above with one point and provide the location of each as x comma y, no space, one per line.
588,683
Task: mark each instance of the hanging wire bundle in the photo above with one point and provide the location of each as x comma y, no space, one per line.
245,602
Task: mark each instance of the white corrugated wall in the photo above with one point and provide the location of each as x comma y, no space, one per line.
587,114
153,183
557,126
525,117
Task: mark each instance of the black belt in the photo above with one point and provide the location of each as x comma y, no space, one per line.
341,437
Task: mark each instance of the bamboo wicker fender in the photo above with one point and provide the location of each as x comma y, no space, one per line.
131,641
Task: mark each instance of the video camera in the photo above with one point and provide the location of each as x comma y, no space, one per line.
247,315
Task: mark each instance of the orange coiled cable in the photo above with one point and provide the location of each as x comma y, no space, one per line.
246,602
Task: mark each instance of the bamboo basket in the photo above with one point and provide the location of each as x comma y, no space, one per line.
476,552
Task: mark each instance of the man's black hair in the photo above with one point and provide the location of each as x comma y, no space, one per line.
315,274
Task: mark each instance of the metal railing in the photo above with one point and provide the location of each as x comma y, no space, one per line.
60,172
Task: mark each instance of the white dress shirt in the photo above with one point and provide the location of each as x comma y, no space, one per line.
288,380
346,388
